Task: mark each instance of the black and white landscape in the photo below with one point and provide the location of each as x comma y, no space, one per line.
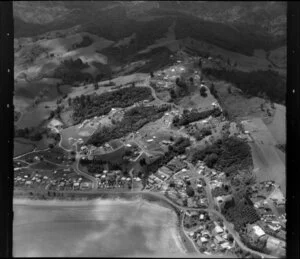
149,128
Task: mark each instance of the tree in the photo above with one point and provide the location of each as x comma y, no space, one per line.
143,162
229,89
200,63
172,94
211,159
151,74
191,80
172,184
230,238
51,146
190,191
203,91
96,86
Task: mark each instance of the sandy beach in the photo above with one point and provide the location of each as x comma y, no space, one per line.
101,227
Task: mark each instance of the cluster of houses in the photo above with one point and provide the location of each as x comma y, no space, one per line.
56,180
114,179
256,233
210,237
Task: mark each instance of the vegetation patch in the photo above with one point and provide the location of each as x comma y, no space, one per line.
194,115
228,155
44,165
133,120
254,83
199,134
70,72
88,106
177,148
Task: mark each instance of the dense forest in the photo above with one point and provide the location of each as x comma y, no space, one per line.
133,120
177,148
228,155
69,71
255,83
194,115
88,106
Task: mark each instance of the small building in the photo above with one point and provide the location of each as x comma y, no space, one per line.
203,240
257,230
218,229
274,228
219,239
85,185
226,245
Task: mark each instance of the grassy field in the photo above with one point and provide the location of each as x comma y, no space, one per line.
22,148
75,133
268,164
237,105
278,125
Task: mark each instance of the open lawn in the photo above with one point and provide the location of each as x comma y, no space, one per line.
74,132
44,165
22,148
53,51
46,88
278,125
237,105
268,164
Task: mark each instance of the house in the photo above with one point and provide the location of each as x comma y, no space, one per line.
203,240
226,245
274,228
201,217
258,232
219,239
218,229
85,185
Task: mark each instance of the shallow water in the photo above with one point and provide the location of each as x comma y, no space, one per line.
95,228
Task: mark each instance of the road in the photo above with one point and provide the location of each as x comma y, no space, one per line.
75,166
210,198
33,151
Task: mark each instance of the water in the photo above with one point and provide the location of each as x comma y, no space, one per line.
94,228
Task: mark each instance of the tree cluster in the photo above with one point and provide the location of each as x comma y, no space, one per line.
88,106
228,155
177,148
241,213
70,72
86,41
97,166
133,120
194,115
254,83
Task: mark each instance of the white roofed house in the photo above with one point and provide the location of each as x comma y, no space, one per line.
218,229
257,232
